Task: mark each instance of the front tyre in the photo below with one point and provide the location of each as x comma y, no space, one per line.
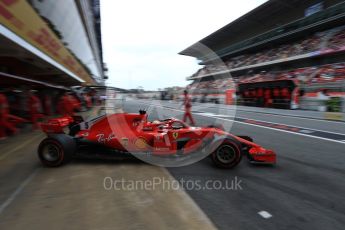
56,151
227,155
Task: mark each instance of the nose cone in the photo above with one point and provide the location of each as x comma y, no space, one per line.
261,155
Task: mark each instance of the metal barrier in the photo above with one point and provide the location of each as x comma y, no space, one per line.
333,108
313,104
334,104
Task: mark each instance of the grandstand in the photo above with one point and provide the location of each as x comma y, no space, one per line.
281,51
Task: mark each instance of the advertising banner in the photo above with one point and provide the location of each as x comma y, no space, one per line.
19,17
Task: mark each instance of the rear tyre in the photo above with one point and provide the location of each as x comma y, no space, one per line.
227,155
56,151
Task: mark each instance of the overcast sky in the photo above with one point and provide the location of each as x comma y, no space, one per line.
141,38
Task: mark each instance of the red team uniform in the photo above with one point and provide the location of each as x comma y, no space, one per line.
8,121
188,108
34,105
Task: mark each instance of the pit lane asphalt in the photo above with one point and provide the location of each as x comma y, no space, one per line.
305,190
75,196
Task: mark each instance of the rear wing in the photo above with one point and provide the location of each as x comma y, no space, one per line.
56,125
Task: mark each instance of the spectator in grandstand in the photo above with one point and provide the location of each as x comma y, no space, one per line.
337,41
330,40
187,102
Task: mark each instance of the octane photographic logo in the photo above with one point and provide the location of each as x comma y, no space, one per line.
166,184
161,149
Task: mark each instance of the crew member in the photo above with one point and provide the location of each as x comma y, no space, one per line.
188,107
3,117
276,95
286,96
66,105
268,97
47,105
246,96
34,105
7,121
260,96
253,98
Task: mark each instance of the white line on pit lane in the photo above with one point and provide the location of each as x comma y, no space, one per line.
265,214
295,126
224,107
10,199
213,115
240,122
304,130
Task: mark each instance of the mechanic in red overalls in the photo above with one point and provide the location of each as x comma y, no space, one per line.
286,95
60,105
67,105
7,121
260,96
34,105
253,98
3,116
188,108
74,102
246,96
268,97
47,101
276,95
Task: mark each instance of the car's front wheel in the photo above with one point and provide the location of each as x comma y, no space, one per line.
227,155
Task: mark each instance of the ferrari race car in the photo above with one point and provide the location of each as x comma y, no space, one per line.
124,135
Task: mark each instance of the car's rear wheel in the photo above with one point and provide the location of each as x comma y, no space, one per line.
227,155
54,152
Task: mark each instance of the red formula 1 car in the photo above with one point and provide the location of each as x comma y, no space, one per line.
124,135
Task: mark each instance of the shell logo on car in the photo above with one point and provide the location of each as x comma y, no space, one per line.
140,143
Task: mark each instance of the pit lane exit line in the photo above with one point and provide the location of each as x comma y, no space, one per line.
260,125
225,107
21,187
303,129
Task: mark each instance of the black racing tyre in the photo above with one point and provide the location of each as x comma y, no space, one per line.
56,151
227,155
